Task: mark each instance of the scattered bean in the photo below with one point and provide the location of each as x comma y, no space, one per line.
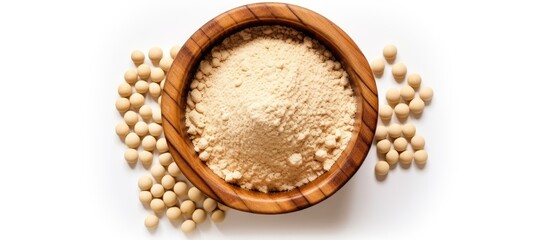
402,111
165,63
400,144
169,198
122,129
407,93
382,168
378,66
131,118
394,130
385,112
195,194
383,146
392,96
157,190
173,170
155,90
155,130
151,221
417,105
187,207
130,76
408,130
122,105
406,157
158,171
426,94
157,115
144,71
173,213
157,75
137,100
145,183
399,71
381,133
165,159
162,145
158,205
168,182
390,52
188,226
132,140
418,142
218,216
131,156
145,197
146,158
174,51
420,157
392,157
142,86
414,80
148,143
180,188
209,204
138,57
124,90
199,215
141,128
155,54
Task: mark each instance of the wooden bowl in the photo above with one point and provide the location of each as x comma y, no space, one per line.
201,42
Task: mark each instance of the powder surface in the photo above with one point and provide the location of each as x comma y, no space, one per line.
270,109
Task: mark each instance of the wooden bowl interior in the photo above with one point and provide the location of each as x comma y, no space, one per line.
211,34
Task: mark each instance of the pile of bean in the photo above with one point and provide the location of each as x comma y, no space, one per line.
165,189
393,139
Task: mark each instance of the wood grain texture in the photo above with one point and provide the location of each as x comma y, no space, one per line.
309,22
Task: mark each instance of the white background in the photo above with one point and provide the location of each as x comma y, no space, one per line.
63,175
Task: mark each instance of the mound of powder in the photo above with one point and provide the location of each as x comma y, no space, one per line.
270,109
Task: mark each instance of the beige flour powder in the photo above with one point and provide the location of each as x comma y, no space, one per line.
270,109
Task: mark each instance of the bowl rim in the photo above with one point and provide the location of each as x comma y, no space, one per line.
185,64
